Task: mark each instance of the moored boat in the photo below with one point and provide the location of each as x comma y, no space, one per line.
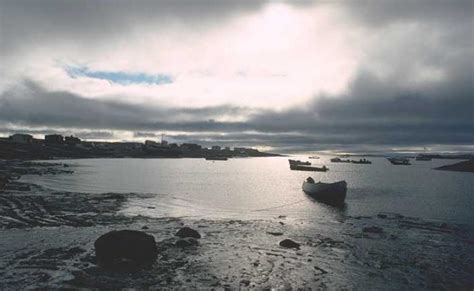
308,168
216,158
329,193
361,161
298,162
338,160
314,157
399,161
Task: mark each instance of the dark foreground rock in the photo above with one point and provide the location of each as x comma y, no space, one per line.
465,166
125,248
288,243
188,232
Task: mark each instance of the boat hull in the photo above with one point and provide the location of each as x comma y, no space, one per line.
329,193
400,162
297,162
337,160
307,168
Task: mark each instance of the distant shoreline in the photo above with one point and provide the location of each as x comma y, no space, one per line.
25,147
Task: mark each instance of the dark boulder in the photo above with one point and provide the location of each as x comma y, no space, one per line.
372,229
188,232
186,242
288,243
125,249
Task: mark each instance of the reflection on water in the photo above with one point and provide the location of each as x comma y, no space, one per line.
263,187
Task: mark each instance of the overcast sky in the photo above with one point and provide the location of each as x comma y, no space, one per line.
281,76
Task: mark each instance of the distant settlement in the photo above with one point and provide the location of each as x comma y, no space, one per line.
55,146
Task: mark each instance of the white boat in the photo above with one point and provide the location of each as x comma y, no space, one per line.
329,193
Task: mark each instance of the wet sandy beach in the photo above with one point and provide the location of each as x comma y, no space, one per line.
47,242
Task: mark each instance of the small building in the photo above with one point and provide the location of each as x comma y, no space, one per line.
150,142
53,139
21,138
190,146
154,144
72,140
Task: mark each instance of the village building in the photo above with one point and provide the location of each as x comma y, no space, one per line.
21,138
53,139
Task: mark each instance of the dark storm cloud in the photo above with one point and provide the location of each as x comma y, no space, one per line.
386,12
369,114
34,106
82,133
375,112
24,23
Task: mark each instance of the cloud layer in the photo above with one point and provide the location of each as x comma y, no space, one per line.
307,77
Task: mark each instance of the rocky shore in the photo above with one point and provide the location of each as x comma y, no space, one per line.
465,166
48,242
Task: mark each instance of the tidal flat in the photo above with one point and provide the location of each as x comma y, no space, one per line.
48,242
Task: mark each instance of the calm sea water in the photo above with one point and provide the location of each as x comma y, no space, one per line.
266,187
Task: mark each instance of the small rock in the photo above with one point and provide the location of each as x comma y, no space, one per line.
145,227
281,222
188,232
381,216
373,229
186,242
288,243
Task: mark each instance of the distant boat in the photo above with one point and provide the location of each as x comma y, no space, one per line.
329,193
308,168
338,160
216,158
298,162
314,157
361,161
399,161
423,158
